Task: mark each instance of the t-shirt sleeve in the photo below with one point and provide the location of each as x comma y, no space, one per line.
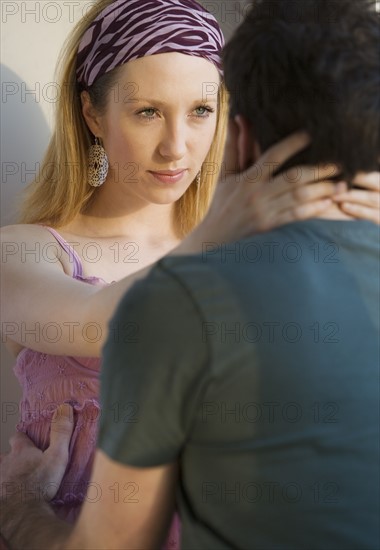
154,372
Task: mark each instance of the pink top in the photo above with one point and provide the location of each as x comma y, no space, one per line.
50,380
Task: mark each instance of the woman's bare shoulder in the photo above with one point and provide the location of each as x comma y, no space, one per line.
28,244
24,233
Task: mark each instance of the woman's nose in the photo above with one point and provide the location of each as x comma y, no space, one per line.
173,141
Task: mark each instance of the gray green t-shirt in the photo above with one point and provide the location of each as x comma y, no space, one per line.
256,365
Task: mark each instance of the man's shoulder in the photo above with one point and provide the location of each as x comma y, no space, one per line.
215,256
297,246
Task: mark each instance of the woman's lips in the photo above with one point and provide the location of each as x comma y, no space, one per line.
169,176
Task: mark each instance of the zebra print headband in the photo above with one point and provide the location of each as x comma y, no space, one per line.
129,29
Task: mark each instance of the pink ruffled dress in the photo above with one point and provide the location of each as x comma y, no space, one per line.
50,380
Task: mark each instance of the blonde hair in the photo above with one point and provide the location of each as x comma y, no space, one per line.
61,190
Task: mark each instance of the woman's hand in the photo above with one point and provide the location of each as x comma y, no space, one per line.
255,201
362,203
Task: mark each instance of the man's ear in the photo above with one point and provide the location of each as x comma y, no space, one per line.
90,114
248,150
230,159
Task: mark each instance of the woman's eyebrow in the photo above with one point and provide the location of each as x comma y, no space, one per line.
163,103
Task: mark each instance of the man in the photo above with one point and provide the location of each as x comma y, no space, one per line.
257,400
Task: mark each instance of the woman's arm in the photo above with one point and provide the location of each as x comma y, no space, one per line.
50,312
43,308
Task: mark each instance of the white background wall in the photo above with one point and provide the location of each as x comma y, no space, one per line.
32,35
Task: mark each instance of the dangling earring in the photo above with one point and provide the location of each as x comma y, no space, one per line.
97,164
198,179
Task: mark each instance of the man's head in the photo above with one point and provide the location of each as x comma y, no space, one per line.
310,65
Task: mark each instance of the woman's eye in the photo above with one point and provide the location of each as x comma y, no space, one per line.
147,113
203,111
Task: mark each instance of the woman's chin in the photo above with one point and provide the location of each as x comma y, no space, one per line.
167,196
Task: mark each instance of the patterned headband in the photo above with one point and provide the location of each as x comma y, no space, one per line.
129,29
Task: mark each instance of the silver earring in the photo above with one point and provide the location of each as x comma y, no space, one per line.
97,164
198,179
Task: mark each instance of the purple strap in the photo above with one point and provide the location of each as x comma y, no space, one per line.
73,256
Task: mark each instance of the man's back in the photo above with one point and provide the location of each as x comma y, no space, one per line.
268,389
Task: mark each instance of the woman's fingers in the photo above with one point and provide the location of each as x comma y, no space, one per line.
298,203
302,175
368,181
361,212
292,196
301,193
274,157
360,198
302,196
300,179
282,151
362,203
293,200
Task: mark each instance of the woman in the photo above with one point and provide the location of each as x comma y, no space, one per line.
130,171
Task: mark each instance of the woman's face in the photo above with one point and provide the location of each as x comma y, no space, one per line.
159,125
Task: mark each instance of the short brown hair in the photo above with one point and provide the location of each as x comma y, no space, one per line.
310,65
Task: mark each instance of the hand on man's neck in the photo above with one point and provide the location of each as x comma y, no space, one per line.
247,151
335,213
